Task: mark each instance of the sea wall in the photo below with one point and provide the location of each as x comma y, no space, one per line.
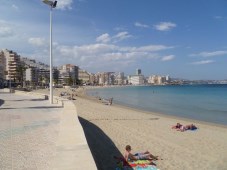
72,150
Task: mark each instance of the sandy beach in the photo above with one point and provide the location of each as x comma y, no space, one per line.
109,129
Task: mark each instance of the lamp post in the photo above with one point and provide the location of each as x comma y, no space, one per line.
52,5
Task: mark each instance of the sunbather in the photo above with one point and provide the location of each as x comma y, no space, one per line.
183,128
138,156
177,126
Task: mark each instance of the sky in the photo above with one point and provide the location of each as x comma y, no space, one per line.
183,39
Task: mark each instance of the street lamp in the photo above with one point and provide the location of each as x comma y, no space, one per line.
52,5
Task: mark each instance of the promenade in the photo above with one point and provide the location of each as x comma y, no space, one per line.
35,134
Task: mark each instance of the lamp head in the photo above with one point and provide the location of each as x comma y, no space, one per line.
52,4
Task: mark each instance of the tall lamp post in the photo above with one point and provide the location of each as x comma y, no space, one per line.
52,5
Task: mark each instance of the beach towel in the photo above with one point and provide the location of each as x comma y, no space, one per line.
136,165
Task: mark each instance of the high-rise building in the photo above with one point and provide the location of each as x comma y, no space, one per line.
68,71
86,77
12,63
119,78
138,72
2,69
158,80
137,79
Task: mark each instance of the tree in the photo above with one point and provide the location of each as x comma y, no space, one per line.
69,81
20,71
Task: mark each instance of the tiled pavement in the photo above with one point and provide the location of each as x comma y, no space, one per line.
29,127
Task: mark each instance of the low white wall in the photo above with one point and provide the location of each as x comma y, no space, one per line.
72,150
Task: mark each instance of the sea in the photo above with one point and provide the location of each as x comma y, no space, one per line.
199,102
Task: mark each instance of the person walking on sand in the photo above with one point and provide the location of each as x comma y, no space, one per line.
138,156
110,101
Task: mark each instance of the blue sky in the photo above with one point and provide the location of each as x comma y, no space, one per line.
184,39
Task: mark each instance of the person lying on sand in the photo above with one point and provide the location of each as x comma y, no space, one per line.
138,156
182,128
177,126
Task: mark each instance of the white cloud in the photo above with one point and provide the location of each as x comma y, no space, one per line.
219,17
168,58
164,26
15,7
203,62
104,38
137,24
121,36
5,29
152,48
210,54
120,28
37,41
64,4
106,55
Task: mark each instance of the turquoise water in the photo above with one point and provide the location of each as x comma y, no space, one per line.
200,102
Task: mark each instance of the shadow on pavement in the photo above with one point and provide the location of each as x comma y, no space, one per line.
2,102
102,147
27,100
38,107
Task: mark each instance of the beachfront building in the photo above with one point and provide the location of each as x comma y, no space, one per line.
44,76
68,74
105,78
138,71
31,76
37,73
137,79
2,69
86,77
119,78
11,64
102,78
2,64
159,80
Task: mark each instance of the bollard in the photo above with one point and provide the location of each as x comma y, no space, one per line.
46,97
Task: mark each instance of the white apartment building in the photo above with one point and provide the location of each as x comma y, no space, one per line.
12,62
119,78
105,78
136,79
158,80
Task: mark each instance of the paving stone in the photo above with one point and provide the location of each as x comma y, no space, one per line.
28,132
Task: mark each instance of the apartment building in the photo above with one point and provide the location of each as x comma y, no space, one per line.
158,80
137,79
119,78
31,76
86,77
68,72
2,69
105,78
12,63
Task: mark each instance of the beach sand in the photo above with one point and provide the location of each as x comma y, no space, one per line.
109,129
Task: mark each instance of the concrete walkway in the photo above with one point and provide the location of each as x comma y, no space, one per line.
36,135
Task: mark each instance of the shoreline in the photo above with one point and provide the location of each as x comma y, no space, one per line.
109,129
93,98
